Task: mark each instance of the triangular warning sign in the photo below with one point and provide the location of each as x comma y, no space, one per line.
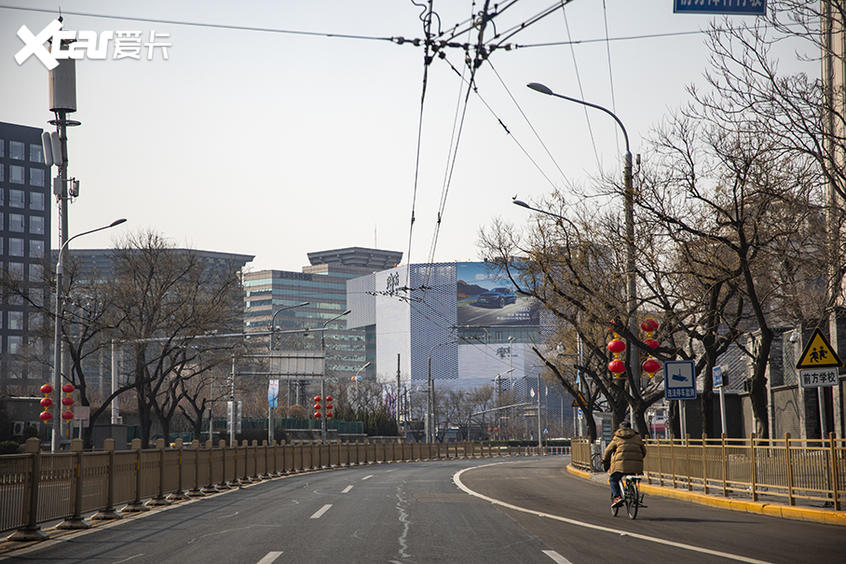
818,353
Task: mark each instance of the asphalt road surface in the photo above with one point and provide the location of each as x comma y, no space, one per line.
433,512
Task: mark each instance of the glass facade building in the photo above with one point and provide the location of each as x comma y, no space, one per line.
24,248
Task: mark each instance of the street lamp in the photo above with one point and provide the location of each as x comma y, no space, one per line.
428,426
631,295
57,355
323,378
270,360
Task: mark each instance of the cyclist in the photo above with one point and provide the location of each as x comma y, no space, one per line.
623,455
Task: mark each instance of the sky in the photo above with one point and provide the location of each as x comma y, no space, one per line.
276,144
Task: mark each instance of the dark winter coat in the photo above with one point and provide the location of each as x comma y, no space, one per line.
625,452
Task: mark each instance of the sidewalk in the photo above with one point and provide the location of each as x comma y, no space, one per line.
773,509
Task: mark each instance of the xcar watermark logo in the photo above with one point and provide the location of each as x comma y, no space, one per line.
67,44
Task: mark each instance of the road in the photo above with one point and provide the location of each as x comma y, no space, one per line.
421,512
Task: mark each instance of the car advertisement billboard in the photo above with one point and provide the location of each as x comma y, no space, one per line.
486,297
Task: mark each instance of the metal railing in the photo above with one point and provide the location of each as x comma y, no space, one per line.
790,469
36,487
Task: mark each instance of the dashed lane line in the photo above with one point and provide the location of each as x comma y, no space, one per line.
557,558
319,513
347,489
270,557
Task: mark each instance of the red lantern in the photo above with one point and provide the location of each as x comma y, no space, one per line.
46,416
68,388
329,414
46,389
652,343
651,366
67,401
46,402
317,415
617,367
67,415
616,346
329,399
649,325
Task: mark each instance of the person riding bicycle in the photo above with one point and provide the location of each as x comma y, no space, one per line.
623,455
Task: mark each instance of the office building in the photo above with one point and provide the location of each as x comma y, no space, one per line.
24,247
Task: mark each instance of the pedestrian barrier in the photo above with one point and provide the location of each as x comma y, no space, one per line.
36,487
792,469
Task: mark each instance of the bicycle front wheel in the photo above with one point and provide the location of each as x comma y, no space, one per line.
632,499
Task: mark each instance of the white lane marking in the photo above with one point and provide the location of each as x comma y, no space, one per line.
367,477
319,513
557,558
130,558
456,478
228,516
347,489
269,557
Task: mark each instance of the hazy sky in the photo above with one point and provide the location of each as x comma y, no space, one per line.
277,144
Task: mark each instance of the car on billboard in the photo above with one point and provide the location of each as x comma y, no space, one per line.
496,297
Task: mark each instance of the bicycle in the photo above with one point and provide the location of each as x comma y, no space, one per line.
632,498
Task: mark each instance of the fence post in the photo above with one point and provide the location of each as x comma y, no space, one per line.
135,506
687,461
725,465
31,531
178,494
660,461
754,475
789,464
209,487
159,498
835,489
704,463
76,521
195,491
246,478
222,485
673,460
256,477
108,512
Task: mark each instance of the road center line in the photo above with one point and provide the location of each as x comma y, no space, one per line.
557,558
456,478
367,477
347,489
319,513
130,558
270,557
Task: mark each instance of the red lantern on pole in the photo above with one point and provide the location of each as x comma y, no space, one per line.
68,388
617,367
328,407
67,415
46,402
317,407
650,366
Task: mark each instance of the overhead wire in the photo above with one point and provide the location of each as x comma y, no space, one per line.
581,91
610,71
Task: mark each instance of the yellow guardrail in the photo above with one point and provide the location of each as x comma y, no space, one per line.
787,468
36,487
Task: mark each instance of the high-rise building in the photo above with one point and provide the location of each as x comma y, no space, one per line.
24,247
323,284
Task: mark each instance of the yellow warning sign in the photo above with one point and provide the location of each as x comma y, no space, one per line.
576,400
818,353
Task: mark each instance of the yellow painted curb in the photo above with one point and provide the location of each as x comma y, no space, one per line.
827,516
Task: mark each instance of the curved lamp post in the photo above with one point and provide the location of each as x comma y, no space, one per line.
270,361
57,354
323,378
631,295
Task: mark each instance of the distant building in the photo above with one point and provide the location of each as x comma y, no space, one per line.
323,284
461,321
24,246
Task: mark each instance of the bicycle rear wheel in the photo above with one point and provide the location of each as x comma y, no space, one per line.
632,499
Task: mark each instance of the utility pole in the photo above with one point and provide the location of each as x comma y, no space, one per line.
399,421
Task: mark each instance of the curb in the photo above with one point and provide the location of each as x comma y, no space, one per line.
828,517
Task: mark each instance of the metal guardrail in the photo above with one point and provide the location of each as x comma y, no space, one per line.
792,469
36,487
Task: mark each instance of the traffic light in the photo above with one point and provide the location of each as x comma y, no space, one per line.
328,407
317,407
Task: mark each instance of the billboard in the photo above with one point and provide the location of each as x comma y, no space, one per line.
487,298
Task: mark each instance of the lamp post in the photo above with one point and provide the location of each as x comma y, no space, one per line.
323,378
57,343
631,296
270,360
430,396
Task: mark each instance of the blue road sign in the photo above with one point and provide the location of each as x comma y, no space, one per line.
718,377
727,7
679,380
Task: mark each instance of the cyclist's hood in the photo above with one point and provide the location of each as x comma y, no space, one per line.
625,433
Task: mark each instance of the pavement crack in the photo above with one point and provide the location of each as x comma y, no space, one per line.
401,505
